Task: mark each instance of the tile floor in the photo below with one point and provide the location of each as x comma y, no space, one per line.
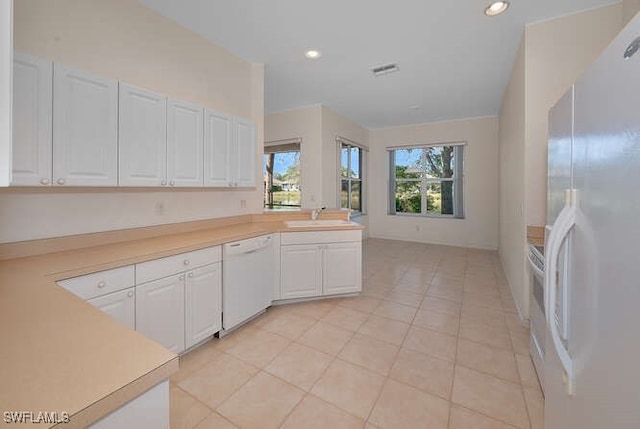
433,342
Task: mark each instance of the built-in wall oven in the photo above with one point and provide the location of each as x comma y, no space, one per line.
537,320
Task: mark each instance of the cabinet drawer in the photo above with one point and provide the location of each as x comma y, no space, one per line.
100,283
313,237
163,267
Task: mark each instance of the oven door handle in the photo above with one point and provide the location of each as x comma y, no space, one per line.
538,272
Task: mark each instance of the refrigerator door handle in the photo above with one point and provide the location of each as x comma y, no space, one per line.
561,228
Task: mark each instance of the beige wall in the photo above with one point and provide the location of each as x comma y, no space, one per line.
480,226
629,9
6,49
552,56
124,40
512,148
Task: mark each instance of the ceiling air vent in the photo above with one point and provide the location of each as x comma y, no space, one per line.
385,69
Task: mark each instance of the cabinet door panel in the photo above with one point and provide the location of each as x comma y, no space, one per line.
32,121
85,129
143,137
119,305
301,273
245,159
218,132
203,296
342,268
184,144
160,311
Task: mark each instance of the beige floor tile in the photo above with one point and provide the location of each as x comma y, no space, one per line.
260,348
396,311
482,288
326,338
370,353
406,298
485,334
411,286
535,405
487,359
345,318
385,329
365,304
195,360
350,387
215,421
441,306
401,406
300,365
314,413
217,380
454,295
263,403
237,336
482,300
528,375
450,280
424,372
490,395
185,412
431,342
440,322
315,309
521,342
486,316
462,418
289,325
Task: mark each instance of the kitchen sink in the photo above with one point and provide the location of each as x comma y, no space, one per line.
318,223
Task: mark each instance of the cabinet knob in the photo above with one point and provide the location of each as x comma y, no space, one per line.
130,294
190,274
163,183
172,183
186,262
44,181
60,182
102,284
181,278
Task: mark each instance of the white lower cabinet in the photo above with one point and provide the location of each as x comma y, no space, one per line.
203,303
120,305
320,263
160,311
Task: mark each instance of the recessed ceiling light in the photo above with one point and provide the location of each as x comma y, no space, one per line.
496,8
312,54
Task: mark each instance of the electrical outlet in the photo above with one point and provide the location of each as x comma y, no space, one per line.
159,208
243,204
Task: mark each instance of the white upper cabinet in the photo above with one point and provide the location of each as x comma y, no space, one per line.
245,153
185,140
85,129
32,121
217,137
143,137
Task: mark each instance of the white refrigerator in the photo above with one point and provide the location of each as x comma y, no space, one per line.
592,256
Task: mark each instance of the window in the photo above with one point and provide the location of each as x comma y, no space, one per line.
281,169
426,181
351,177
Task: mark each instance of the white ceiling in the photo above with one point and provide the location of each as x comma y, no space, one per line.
454,61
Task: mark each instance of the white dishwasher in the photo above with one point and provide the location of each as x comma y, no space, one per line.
248,275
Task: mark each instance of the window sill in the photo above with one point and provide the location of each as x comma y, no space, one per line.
426,216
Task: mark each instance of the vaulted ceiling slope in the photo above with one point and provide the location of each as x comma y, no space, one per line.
454,61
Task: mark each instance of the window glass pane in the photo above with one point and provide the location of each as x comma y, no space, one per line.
408,197
344,198
355,162
408,163
344,161
439,161
355,196
440,198
282,179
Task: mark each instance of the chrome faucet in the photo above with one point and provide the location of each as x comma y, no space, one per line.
316,212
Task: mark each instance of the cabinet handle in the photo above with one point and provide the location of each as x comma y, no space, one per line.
44,181
60,181
190,274
181,278
172,183
186,262
130,294
102,284
163,183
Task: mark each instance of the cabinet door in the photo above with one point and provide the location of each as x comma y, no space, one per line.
341,268
85,129
119,305
143,137
160,311
32,121
217,141
203,298
301,273
244,161
185,144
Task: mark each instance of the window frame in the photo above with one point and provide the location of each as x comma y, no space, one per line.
346,143
278,147
424,180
